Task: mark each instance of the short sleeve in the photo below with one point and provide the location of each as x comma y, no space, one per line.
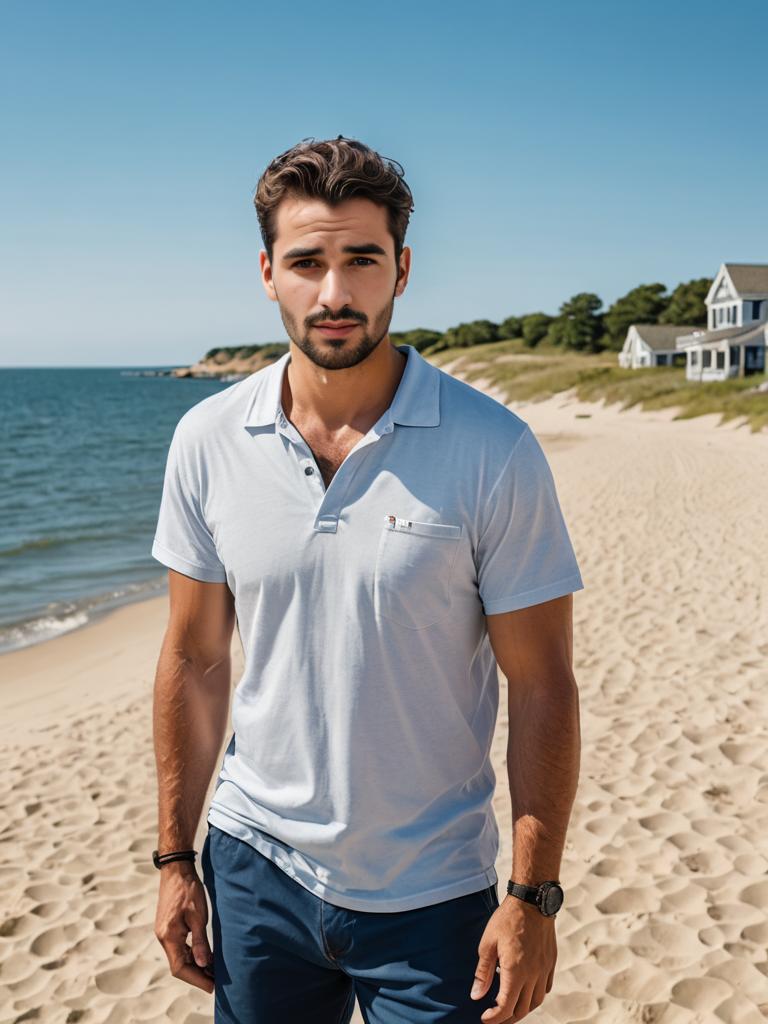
524,554
182,539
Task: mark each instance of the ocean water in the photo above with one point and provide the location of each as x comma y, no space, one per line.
81,474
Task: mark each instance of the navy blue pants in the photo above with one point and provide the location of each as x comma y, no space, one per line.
283,954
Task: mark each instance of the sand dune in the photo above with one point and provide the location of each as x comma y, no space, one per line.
666,865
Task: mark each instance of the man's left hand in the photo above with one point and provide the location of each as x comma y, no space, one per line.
522,940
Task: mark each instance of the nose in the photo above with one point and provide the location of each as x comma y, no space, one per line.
334,291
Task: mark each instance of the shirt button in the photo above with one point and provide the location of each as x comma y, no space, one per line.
308,470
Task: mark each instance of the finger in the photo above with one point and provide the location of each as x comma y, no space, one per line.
539,993
486,968
506,999
201,977
200,948
183,967
196,976
523,1004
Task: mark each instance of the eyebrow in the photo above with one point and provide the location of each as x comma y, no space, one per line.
358,250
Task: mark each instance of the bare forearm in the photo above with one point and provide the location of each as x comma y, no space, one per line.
190,711
543,756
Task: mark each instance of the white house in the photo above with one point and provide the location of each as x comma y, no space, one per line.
734,343
652,345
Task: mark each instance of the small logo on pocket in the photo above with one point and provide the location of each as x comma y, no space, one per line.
396,523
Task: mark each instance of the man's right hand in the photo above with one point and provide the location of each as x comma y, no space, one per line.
181,909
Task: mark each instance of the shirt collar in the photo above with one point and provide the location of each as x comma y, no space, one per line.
416,402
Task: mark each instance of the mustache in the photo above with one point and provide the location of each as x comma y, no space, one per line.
331,317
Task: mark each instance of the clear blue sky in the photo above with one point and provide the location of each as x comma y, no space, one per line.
552,148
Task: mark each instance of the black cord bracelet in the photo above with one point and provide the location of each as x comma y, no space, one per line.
158,859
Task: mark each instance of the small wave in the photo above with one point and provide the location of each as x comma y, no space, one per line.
57,542
44,628
63,617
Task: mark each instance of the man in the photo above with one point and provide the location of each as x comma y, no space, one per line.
384,535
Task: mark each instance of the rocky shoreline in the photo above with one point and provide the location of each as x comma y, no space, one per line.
225,364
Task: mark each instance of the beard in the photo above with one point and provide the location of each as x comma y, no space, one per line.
339,353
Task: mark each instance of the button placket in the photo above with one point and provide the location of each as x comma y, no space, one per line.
309,467
333,499
327,515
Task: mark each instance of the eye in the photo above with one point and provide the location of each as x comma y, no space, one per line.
301,263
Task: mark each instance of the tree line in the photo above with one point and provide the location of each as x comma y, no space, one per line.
580,323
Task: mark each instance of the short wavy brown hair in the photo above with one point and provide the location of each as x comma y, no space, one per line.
334,170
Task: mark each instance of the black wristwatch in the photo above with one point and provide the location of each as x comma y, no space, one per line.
548,896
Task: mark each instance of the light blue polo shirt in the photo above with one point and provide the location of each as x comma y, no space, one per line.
360,757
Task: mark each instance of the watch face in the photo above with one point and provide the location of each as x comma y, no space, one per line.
553,899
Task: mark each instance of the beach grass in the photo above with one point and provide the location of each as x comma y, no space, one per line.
525,374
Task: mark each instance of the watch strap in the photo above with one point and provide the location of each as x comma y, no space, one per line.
529,893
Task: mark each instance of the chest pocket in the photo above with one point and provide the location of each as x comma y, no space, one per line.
412,574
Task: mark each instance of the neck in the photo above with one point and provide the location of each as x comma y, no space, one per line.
335,400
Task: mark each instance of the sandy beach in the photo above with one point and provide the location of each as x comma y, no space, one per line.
666,866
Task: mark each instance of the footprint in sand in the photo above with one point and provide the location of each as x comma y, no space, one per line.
756,933
573,1007
700,994
713,937
629,901
612,958
131,979
47,891
756,895
735,913
57,940
689,899
664,823
51,909
17,927
744,753
667,944
639,981
611,867
707,862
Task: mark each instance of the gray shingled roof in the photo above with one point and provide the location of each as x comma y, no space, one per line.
662,336
749,278
740,335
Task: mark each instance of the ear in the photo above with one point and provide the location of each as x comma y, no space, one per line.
403,270
266,275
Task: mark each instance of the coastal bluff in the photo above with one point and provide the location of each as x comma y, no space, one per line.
234,362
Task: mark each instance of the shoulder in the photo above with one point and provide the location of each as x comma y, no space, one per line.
478,420
217,415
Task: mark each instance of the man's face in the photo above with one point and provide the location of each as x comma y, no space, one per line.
334,266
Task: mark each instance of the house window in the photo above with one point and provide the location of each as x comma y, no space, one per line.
756,309
661,360
735,314
734,355
706,357
720,314
694,358
720,359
